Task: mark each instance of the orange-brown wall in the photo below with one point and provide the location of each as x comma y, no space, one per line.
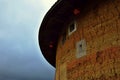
100,28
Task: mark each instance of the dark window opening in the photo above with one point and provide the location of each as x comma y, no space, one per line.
80,45
72,27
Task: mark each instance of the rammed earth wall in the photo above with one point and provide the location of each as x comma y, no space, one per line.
100,29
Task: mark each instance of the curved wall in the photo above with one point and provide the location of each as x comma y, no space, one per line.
92,51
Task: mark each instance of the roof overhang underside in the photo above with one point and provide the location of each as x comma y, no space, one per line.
52,25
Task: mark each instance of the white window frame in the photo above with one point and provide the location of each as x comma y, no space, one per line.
75,28
81,48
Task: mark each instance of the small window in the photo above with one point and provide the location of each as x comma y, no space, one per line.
72,28
81,48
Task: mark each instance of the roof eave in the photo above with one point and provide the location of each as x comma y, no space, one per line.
52,25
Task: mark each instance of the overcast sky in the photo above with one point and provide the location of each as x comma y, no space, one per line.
20,56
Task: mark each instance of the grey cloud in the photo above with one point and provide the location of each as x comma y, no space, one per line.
20,56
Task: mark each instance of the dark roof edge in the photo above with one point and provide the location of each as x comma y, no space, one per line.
44,23
50,11
58,14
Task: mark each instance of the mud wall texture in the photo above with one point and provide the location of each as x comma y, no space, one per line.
99,30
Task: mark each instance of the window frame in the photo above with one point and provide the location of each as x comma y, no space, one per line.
75,28
81,48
